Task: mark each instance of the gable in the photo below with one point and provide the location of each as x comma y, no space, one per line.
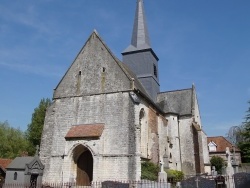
212,146
95,70
35,164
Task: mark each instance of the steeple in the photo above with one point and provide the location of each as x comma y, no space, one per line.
139,55
140,37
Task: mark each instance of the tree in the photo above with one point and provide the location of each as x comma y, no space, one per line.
35,128
218,162
234,134
12,141
244,145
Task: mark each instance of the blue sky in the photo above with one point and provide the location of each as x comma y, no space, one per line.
205,42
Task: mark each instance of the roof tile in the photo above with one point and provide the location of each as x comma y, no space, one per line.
4,162
221,143
85,131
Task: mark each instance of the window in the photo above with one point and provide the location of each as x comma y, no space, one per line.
155,71
15,176
212,146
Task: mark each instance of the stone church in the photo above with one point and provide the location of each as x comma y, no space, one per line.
108,116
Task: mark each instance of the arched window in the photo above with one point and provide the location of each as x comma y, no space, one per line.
15,176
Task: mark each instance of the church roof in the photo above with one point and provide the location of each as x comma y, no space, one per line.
140,37
19,163
221,143
178,101
85,131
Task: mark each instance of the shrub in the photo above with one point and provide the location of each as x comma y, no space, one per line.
218,162
149,171
176,175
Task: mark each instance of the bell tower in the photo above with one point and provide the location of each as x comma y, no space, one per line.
139,55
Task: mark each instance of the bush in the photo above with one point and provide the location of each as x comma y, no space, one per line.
176,175
218,162
149,171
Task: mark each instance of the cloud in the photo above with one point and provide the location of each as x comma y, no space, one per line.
47,71
27,16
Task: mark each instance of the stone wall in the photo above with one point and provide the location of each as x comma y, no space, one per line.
115,148
173,142
187,146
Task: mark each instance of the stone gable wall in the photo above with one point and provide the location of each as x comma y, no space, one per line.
94,71
115,149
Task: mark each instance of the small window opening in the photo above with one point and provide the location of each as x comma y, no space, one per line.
103,69
155,70
15,176
170,156
80,73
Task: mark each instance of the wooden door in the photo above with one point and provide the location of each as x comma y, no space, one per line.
84,169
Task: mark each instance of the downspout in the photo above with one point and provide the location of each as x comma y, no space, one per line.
179,141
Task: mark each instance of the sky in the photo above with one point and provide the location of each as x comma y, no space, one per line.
205,42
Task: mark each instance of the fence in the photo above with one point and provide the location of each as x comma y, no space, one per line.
105,184
239,180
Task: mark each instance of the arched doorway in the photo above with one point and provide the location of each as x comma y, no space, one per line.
84,162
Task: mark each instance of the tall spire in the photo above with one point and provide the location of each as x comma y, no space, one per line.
140,37
139,55
140,31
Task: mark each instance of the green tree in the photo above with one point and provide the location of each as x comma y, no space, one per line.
12,141
218,162
244,145
35,128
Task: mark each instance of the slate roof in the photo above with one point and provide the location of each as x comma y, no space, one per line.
4,163
140,37
178,101
19,163
85,131
221,143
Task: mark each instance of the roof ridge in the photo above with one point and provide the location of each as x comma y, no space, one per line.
175,90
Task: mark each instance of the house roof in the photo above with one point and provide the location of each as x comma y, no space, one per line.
19,163
221,143
4,163
178,101
85,131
